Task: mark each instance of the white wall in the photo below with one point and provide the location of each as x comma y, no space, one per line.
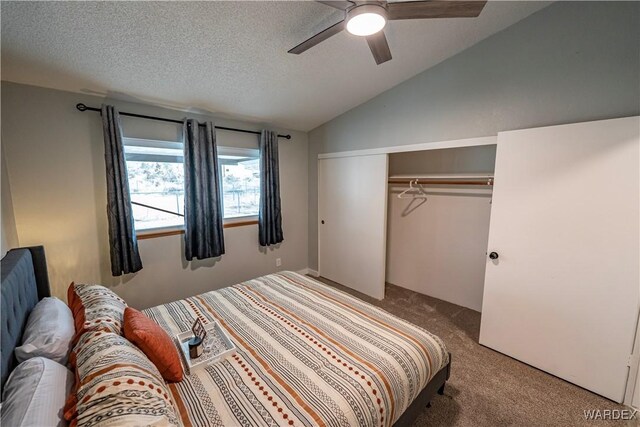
437,247
55,164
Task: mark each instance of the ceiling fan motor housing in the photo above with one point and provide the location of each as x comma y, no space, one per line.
366,19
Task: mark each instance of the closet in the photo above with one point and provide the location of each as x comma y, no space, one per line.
438,211
536,228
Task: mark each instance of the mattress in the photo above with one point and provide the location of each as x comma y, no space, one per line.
307,355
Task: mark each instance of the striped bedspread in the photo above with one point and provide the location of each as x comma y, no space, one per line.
308,355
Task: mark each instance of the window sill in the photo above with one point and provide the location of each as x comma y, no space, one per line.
163,232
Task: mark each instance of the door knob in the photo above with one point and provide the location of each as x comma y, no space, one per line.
493,255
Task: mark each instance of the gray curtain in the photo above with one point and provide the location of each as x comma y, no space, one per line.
270,214
203,215
122,233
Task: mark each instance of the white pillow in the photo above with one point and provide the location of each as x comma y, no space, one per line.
35,393
49,332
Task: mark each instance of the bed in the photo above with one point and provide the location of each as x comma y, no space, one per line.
307,354
24,282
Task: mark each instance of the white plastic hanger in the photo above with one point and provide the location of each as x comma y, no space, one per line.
420,195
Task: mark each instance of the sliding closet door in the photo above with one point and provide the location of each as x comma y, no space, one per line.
563,293
352,208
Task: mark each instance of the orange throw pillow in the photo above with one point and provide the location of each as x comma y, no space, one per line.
149,337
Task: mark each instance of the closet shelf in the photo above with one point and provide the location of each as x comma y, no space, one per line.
443,176
443,179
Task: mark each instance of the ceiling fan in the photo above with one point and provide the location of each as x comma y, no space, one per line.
368,18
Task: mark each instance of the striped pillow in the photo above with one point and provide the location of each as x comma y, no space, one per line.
95,308
116,384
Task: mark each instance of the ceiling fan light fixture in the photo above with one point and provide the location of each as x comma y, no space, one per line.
366,19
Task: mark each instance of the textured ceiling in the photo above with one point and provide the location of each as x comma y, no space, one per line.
226,58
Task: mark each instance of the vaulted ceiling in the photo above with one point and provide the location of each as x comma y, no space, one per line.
227,58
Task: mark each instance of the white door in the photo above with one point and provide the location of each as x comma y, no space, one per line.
352,209
563,294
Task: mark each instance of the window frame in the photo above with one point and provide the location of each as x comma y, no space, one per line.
239,152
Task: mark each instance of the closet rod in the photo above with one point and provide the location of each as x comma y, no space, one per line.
488,182
82,107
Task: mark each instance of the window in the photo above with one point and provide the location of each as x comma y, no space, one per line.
240,170
156,182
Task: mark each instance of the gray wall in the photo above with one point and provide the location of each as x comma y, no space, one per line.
570,62
54,157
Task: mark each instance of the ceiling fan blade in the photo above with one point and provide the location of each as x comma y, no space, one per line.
342,5
379,47
318,38
435,9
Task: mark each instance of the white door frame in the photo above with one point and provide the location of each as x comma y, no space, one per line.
437,145
634,370
424,146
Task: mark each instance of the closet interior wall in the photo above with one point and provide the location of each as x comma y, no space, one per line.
437,245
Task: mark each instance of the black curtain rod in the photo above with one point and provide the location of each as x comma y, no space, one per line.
83,107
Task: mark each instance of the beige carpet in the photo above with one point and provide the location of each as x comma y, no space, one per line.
487,388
